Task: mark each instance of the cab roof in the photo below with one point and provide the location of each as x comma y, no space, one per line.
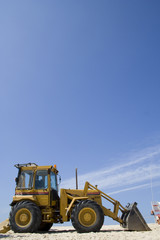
28,166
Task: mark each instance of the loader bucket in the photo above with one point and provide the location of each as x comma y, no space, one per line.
4,226
133,219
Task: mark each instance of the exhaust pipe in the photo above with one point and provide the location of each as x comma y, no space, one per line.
76,179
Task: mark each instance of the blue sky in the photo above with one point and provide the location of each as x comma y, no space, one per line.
79,87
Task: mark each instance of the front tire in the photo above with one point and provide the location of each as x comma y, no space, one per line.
87,216
25,216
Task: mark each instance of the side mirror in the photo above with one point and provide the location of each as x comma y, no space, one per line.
16,180
59,179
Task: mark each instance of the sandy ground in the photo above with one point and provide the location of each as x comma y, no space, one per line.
107,232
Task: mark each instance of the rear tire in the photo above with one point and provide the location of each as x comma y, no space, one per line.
87,216
25,216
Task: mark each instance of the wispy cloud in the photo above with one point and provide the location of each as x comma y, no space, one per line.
130,188
137,170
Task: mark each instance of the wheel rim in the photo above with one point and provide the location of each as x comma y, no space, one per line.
23,217
87,217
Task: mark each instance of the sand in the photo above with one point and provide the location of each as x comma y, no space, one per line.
110,232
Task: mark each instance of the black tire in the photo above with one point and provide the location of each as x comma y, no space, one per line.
25,216
87,216
44,227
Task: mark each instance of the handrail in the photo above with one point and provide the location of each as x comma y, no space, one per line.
25,165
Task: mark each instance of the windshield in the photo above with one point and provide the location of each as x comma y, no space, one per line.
25,180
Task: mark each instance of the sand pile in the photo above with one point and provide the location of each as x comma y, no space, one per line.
107,232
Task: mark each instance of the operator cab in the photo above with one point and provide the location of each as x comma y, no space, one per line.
35,180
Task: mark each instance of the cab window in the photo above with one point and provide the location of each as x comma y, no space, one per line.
41,180
25,180
53,181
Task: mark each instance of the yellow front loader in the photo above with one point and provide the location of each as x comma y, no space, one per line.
36,204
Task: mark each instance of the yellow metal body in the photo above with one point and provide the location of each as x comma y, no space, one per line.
60,209
70,196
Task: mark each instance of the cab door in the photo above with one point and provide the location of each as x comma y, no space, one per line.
42,187
54,189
